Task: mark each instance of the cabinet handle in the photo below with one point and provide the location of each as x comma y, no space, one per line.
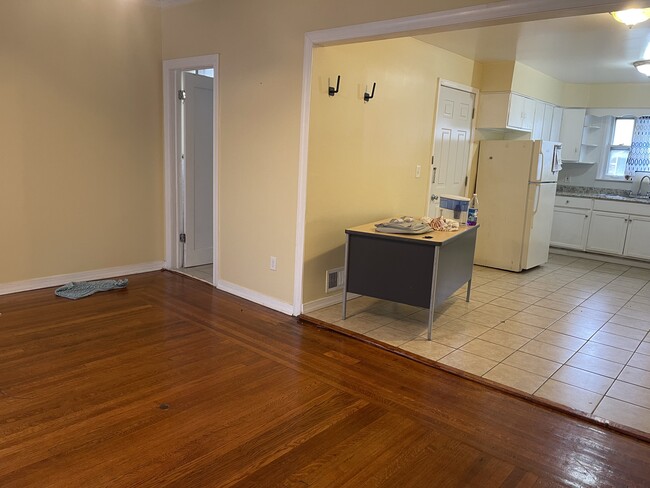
567,202
586,216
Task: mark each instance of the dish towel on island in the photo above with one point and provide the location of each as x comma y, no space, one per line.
80,289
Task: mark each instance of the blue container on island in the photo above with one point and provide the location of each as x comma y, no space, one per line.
453,206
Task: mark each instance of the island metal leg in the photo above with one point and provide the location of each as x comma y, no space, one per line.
469,289
345,279
432,303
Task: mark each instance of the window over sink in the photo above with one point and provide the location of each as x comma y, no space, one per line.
617,148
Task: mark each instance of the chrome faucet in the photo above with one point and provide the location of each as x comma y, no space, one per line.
638,193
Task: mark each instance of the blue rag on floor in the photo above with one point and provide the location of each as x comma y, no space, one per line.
80,289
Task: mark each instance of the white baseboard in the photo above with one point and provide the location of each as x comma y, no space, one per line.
326,302
601,257
96,274
254,296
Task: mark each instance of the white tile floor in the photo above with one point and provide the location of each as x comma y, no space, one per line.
574,331
203,273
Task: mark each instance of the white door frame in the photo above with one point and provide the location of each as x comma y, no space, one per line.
170,120
464,88
461,17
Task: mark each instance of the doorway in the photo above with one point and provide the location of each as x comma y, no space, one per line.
191,166
452,143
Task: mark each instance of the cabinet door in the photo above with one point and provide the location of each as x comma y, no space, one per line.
570,228
637,241
516,111
538,121
548,122
607,232
528,116
573,121
556,124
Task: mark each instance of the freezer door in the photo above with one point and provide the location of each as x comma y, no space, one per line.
539,220
541,169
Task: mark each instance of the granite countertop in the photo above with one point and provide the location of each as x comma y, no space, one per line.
600,194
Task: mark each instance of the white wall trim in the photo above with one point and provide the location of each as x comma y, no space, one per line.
256,297
600,257
170,67
96,274
326,302
484,13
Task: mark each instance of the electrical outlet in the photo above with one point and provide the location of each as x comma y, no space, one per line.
273,265
418,171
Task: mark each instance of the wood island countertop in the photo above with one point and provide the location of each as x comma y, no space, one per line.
435,237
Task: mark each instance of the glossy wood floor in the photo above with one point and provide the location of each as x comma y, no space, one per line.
171,382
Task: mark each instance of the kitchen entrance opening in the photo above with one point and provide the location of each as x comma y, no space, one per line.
191,168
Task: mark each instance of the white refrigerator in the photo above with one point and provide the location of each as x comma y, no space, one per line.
515,185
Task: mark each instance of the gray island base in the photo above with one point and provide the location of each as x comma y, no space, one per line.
421,270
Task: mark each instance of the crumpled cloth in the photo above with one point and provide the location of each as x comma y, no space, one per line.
81,289
404,225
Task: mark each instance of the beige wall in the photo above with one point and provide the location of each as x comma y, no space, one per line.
81,122
261,47
363,156
528,81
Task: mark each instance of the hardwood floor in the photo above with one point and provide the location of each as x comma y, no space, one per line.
173,383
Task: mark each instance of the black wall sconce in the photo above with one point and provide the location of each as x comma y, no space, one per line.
332,91
369,96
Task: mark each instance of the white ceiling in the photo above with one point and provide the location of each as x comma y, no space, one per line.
585,49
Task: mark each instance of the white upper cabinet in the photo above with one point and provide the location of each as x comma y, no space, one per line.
505,111
538,121
556,124
548,123
521,114
573,120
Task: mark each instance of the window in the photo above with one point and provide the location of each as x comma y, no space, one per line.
619,148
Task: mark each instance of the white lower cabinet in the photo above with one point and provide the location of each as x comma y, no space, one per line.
637,242
603,226
607,232
570,228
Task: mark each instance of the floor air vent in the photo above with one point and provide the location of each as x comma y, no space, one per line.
334,279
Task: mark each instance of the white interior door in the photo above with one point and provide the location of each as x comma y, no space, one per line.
198,135
451,146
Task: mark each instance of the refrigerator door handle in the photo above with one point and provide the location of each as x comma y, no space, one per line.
540,165
537,198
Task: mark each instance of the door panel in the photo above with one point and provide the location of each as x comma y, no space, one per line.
199,133
637,242
451,146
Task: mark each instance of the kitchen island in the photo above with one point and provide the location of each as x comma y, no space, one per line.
421,270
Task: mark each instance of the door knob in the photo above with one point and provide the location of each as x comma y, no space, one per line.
434,197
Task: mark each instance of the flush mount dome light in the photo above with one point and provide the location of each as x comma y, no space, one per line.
643,66
632,16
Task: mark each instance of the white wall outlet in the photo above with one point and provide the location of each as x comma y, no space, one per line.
273,264
418,171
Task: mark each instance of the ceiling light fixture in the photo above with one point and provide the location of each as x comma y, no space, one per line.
632,16
643,66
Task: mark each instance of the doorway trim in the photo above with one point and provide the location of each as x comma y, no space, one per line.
171,171
462,17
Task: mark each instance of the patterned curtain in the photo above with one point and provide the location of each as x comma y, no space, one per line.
639,157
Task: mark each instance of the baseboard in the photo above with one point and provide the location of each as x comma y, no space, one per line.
96,274
601,257
326,302
254,296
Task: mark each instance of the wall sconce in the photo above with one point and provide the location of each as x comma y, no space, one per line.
632,16
643,66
